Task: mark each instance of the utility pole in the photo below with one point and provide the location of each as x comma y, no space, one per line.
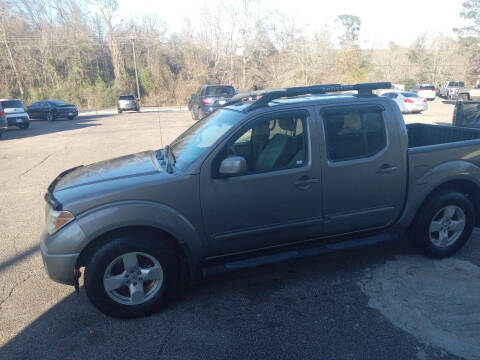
132,39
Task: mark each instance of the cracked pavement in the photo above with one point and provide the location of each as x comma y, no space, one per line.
322,307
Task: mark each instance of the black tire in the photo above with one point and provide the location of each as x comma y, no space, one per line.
199,113
70,117
119,111
463,97
24,126
117,246
138,109
419,234
196,113
49,116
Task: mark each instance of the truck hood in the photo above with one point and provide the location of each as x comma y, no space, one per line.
134,165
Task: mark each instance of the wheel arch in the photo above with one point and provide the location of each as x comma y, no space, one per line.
168,224
464,186
188,270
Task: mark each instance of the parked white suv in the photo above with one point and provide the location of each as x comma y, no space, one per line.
426,91
15,113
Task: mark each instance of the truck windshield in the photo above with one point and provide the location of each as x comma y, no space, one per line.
199,138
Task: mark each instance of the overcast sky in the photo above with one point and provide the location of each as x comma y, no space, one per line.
400,21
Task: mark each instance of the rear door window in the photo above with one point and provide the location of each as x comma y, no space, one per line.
354,134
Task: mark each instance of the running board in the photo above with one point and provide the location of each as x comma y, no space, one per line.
217,269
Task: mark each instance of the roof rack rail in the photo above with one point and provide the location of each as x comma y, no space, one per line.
364,89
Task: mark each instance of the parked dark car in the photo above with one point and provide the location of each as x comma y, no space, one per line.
209,98
127,102
52,109
466,114
3,121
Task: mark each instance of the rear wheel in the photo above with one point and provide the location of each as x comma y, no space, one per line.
444,225
131,275
24,126
199,113
71,117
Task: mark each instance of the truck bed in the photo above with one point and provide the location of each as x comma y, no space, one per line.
420,135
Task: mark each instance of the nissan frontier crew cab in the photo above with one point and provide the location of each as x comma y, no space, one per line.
294,172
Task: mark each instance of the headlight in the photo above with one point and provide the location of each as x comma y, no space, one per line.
55,220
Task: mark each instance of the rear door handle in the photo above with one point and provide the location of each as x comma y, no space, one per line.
306,182
386,169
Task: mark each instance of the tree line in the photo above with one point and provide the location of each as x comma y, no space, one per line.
81,51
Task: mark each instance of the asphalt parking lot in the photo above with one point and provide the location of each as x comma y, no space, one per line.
382,302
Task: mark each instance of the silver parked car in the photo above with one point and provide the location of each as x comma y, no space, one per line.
15,112
127,102
408,102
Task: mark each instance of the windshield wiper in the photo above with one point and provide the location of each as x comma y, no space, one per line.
170,157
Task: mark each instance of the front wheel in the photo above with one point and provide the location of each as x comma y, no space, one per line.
131,275
24,126
49,116
444,225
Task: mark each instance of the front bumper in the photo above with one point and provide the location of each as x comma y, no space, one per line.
60,268
60,252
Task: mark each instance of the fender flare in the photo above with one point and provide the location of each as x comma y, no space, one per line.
432,180
103,219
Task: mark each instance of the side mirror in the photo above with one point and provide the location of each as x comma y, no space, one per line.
233,165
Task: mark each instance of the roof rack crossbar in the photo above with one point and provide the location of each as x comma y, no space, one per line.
364,89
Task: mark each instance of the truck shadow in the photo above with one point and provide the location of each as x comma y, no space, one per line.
224,314
41,127
449,102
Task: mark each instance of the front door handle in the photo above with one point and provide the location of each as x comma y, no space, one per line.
386,169
304,182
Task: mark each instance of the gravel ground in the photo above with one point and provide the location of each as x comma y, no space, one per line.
383,302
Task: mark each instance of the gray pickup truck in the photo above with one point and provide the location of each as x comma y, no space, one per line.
295,172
